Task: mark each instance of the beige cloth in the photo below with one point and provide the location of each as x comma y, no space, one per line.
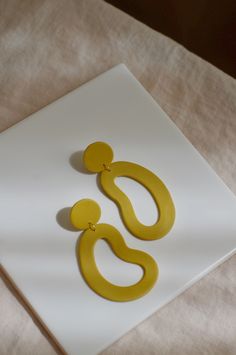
48,48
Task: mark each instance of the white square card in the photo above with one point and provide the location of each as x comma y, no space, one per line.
42,176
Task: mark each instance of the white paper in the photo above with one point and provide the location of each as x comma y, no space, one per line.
38,159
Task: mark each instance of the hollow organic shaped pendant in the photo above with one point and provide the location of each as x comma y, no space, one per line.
85,215
98,158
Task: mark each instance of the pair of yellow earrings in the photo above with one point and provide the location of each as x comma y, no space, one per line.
86,213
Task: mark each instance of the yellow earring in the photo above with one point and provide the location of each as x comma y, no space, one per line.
84,216
98,159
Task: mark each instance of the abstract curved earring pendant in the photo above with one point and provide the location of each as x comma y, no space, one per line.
98,159
84,216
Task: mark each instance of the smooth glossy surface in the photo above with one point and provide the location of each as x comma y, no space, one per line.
97,282
100,155
85,213
158,191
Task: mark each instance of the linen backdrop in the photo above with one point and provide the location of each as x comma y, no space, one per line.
48,48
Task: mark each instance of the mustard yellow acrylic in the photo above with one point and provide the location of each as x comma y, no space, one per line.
98,158
85,215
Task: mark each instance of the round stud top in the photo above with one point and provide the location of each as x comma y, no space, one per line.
97,157
85,214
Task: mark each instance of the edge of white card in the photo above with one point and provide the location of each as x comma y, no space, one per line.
118,67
